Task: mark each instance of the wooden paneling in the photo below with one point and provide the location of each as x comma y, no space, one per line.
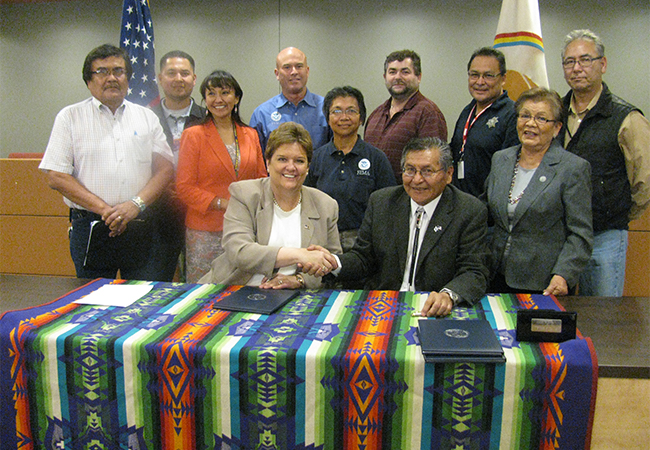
35,245
33,222
24,190
637,269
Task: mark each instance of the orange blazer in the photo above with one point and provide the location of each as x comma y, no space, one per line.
205,171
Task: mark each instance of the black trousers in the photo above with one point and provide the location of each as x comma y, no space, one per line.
98,255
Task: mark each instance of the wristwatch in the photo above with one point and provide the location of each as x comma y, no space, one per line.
137,201
455,298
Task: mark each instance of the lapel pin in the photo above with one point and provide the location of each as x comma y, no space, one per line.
542,178
437,228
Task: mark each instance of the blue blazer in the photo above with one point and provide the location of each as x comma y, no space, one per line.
551,228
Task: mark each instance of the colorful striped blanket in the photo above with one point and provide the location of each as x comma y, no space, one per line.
332,370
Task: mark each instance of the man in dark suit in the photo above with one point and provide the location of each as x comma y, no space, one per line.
447,227
176,112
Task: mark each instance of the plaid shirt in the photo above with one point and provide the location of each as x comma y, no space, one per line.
420,117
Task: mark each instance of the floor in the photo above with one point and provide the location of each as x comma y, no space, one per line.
622,419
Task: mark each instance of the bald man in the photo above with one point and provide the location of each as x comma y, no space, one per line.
294,104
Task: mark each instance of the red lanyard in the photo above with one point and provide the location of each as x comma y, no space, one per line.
469,125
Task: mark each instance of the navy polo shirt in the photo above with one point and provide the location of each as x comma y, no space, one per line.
350,179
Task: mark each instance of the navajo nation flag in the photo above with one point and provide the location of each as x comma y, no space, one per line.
519,37
137,38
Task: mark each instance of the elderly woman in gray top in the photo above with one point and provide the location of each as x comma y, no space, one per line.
539,197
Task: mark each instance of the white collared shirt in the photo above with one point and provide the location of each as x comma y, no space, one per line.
429,209
109,154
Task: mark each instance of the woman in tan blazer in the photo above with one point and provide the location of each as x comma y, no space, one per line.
270,222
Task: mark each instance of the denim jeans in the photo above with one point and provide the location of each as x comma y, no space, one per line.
605,272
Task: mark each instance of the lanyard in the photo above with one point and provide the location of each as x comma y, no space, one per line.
469,125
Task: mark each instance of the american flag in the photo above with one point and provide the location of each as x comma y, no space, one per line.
137,38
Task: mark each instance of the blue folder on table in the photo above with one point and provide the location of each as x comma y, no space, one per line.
444,340
256,300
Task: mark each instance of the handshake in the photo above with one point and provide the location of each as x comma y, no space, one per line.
317,261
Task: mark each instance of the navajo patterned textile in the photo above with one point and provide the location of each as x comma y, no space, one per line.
331,370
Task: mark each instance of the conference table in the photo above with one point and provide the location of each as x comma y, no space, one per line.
330,370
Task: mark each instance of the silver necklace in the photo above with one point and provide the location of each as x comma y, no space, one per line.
514,201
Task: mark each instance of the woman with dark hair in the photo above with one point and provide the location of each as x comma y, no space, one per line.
347,168
539,196
212,155
270,222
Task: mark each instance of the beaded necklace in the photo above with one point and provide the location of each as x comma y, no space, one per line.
514,201
275,202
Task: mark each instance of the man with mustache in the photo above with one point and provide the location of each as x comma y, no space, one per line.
110,160
487,124
295,104
407,114
176,112
614,137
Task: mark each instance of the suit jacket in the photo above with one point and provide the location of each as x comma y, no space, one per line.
551,229
205,171
197,114
453,252
247,229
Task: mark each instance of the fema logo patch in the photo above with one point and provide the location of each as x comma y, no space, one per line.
276,116
364,164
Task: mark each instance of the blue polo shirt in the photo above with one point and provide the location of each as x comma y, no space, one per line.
309,113
350,179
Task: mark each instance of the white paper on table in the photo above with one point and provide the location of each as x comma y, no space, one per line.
116,294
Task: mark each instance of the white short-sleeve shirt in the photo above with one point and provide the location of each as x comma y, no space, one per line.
109,154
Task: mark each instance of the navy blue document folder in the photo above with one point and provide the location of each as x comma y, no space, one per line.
255,300
459,341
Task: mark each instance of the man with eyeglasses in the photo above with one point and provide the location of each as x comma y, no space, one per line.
614,137
486,125
110,160
407,114
425,235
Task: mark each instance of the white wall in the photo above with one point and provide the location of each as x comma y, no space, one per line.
43,45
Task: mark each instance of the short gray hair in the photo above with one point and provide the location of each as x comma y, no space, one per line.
429,143
585,35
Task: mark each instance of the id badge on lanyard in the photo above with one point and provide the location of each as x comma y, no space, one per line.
468,124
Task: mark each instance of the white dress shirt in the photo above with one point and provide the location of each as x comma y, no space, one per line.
110,154
429,209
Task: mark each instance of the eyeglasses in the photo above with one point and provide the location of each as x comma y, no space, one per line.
103,72
348,112
584,61
426,173
474,76
525,117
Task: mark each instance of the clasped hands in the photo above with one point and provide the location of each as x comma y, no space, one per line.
117,217
317,261
314,260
